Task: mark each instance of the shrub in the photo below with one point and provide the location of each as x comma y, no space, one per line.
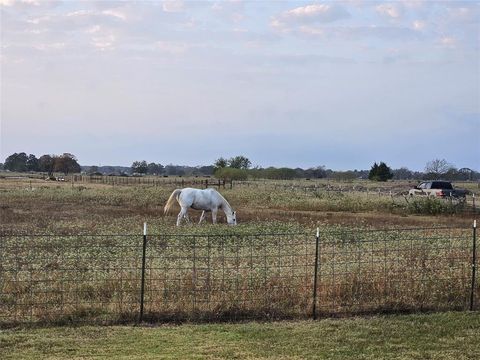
231,174
433,206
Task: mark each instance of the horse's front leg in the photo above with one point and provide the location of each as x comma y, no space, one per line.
202,217
214,216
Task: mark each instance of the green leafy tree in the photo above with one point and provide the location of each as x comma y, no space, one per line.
239,162
16,162
220,163
380,172
46,163
372,175
66,163
32,163
139,167
155,169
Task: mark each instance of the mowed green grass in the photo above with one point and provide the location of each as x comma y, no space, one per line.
425,336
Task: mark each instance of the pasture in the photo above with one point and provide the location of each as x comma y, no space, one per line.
448,335
84,263
35,205
82,266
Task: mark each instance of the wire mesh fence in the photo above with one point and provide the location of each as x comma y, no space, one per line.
98,279
229,277
69,278
395,270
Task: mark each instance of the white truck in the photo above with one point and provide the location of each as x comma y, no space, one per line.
437,188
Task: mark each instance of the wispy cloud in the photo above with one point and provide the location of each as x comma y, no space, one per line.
305,15
391,10
293,70
173,6
116,14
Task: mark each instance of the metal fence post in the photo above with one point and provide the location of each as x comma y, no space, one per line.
142,286
474,264
315,276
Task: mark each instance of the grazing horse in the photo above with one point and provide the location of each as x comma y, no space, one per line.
206,200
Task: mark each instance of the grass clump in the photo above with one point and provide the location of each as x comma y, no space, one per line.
434,206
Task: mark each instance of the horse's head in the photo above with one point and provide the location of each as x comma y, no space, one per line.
232,218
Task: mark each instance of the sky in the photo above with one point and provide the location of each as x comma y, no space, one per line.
285,83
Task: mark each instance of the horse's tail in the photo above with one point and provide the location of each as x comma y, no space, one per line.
171,200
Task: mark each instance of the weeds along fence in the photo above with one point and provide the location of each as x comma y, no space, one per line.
117,278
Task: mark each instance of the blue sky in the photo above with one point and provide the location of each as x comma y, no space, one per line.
290,83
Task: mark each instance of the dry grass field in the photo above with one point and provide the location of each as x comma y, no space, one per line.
85,266
36,205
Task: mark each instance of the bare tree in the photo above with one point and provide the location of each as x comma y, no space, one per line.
437,168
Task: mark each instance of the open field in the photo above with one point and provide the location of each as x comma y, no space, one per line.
434,336
34,205
262,268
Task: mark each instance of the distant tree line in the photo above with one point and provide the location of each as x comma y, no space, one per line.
144,168
21,162
236,168
239,168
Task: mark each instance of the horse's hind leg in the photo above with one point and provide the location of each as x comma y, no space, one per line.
202,217
182,214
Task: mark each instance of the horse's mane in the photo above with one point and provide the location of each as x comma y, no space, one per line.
225,202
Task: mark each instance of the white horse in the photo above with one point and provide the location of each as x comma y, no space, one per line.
206,200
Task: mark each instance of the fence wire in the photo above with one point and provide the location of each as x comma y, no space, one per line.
234,277
97,279
395,270
63,279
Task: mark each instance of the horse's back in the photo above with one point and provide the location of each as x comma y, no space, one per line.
201,199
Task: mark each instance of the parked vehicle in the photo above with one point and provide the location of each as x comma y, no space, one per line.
437,188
